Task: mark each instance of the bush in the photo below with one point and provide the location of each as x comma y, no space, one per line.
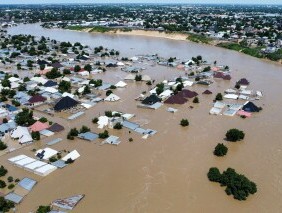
118,126
10,179
66,72
2,184
236,184
196,100
95,120
73,132
3,146
69,161
53,159
113,87
219,97
104,134
220,150
43,209
138,78
234,135
35,135
3,171
84,129
11,186
43,120
5,205
214,174
109,114
109,92
184,122
130,139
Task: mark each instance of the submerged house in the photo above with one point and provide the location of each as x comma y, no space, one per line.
207,92
243,81
150,100
22,134
65,103
36,100
176,99
251,107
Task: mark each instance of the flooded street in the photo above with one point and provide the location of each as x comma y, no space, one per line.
166,172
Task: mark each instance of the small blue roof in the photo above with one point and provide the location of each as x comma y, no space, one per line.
59,164
55,141
90,136
50,83
14,197
27,183
105,86
130,125
11,108
7,126
140,130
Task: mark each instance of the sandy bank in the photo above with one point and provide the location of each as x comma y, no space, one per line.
156,34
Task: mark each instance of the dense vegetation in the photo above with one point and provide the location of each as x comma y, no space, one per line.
5,205
236,184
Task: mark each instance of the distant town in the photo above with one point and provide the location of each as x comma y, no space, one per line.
254,30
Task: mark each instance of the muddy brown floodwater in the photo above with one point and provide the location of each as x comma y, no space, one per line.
167,172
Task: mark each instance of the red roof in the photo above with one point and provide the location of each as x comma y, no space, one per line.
36,99
218,75
176,99
38,126
207,92
188,94
227,77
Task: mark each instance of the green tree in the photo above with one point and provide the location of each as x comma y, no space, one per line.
234,135
25,117
64,86
95,120
86,90
77,68
2,184
184,122
214,174
196,100
43,209
118,126
104,134
84,129
35,135
220,150
54,73
109,92
88,67
5,205
3,171
138,78
219,97
3,146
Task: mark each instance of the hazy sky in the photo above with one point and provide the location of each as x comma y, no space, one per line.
139,1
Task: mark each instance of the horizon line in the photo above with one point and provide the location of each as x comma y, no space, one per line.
144,3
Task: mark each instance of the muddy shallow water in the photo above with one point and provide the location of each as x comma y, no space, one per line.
167,172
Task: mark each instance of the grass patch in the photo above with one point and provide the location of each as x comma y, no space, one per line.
198,38
77,28
101,29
